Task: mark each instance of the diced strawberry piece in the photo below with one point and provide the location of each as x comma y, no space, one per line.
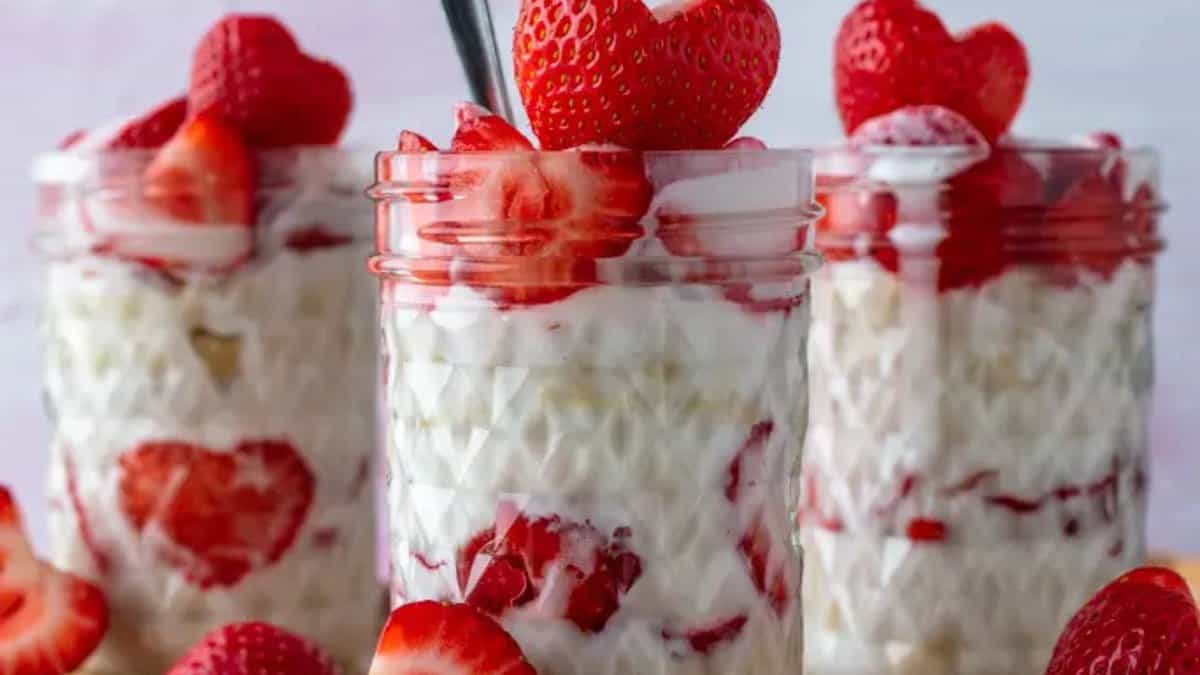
255,647
205,174
411,141
1145,622
857,220
466,111
508,566
1087,225
981,205
153,129
705,640
488,133
432,638
926,530
748,465
50,621
315,238
767,559
249,71
216,516
686,76
534,225
918,126
890,54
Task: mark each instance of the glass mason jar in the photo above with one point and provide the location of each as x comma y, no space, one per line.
982,364
596,394
211,391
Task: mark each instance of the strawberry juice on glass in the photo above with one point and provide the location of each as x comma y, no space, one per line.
210,360
982,363
594,353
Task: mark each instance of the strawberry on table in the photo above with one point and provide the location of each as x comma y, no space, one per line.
1145,622
254,648
895,53
684,76
432,638
50,621
216,516
249,70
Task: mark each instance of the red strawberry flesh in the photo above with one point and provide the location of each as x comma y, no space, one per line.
432,638
255,647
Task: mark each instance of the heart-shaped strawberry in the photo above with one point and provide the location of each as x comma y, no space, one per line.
894,53
249,70
216,515
685,76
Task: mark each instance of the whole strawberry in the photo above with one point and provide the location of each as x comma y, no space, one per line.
250,71
254,649
895,53
1145,622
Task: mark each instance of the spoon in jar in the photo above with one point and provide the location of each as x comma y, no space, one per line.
471,25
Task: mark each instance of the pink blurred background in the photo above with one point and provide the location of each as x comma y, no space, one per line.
1129,67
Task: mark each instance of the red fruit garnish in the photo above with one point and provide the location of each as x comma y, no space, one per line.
857,220
257,648
891,54
509,565
50,621
433,638
217,516
1087,225
1145,622
205,174
249,71
686,76
488,133
315,238
981,204
410,141
918,126
153,129
542,220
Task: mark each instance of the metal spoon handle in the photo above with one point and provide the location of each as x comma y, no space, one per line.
471,24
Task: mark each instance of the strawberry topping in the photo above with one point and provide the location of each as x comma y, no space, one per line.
153,129
254,648
894,53
685,76
216,516
918,126
1144,622
432,638
204,175
511,564
50,621
250,71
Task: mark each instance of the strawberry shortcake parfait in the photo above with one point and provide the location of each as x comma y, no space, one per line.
210,359
595,354
982,361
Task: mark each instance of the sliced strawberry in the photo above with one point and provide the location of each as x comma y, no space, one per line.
857,220
687,75
488,133
432,638
531,226
705,640
1087,225
205,174
768,559
509,565
918,126
1145,622
249,71
50,621
255,647
894,53
982,205
410,141
748,465
216,516
153,129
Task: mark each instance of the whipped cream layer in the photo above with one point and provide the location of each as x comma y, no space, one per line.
975,467
619,410
280,350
